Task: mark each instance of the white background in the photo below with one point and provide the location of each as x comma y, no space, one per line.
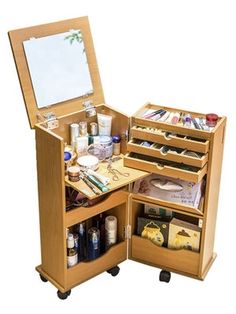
176,53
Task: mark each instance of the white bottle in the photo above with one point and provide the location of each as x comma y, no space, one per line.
110,231
72,255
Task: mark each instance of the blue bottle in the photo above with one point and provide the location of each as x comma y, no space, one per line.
93,243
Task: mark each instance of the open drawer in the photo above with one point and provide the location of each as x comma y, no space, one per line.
169,153
165,168
170,139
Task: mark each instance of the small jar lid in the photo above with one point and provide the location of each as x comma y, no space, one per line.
111,222
73,170
212,117
104,139
116,139
67,156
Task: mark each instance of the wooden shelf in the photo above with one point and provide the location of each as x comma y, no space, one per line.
134,175
79,214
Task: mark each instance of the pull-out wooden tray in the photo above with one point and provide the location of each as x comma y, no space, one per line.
180,157
137,119
147,163
175,140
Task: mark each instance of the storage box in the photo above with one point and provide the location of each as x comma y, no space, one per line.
184,235
170,189
154,229
158,211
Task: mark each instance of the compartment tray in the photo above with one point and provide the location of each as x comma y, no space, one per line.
179,260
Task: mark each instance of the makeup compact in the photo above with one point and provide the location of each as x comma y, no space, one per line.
88,162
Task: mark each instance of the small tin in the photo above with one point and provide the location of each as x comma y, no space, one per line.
93,243
93,128
74,173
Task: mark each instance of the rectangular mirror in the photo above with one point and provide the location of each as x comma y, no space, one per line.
58,67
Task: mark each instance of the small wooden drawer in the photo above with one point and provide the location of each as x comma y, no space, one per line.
176,260
170,139
176,156
164,168
86,270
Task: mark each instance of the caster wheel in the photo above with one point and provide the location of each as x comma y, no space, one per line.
114,271
63,295
43,278
165,276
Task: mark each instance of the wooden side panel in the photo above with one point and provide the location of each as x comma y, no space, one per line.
212,195
50,167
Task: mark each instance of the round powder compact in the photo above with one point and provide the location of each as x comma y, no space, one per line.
88,162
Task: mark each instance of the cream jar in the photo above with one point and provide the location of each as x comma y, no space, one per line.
74,173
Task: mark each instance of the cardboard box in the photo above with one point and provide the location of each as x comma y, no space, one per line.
158,211
184,235
155,229
170,189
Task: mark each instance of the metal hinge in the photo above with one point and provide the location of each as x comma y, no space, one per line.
50,119
128,232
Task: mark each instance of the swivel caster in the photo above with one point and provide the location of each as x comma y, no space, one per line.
63,295
165,276
43,278
114,271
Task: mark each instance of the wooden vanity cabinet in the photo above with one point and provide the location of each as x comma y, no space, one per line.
51,137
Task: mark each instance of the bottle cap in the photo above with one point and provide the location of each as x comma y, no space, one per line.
111,222
67,156
116,139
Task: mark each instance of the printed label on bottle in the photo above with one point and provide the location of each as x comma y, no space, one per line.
110,237
95,245
72,260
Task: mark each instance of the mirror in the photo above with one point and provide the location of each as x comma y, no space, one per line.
58,67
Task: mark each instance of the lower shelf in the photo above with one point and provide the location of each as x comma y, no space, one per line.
86,270
179,260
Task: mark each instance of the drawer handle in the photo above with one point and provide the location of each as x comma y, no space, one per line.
160,166
164,151
167,136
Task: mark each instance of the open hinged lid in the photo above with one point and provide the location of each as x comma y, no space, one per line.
57,67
